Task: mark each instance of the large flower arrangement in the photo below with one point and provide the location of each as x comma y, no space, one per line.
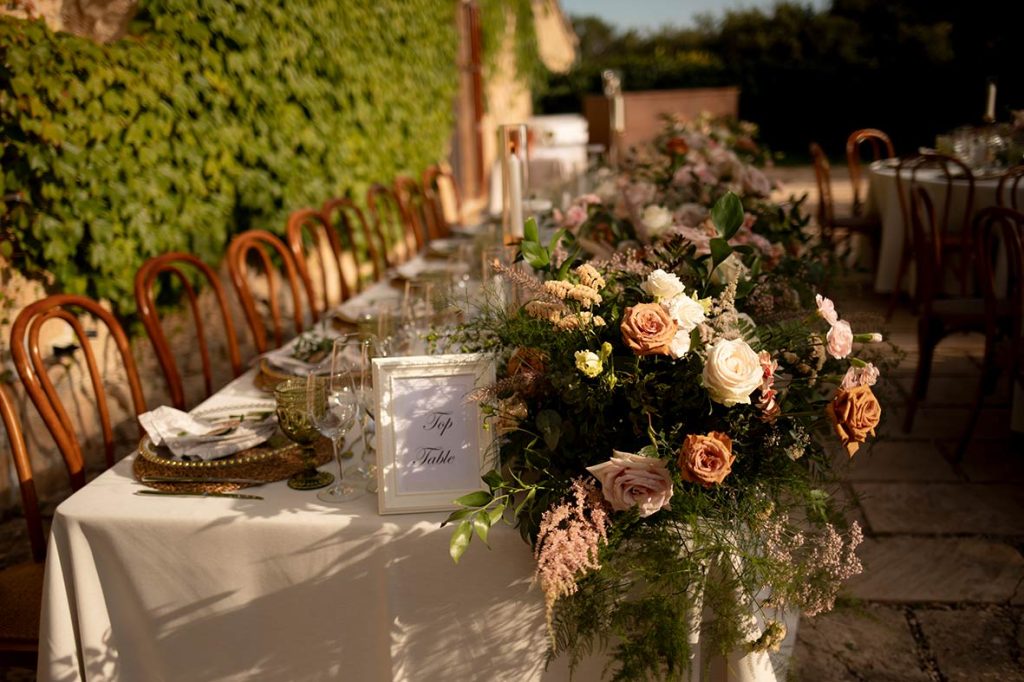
663,450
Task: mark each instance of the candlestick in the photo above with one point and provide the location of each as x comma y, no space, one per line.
990,106
514,164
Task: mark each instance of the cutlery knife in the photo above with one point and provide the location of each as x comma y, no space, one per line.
200,479
179,493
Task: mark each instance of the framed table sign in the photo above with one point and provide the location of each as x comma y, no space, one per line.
432,446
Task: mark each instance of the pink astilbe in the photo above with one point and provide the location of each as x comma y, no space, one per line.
570,537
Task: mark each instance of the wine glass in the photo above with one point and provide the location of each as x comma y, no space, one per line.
360,350
294,419
333,406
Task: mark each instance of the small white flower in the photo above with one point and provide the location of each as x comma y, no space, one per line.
589,363
680,344
657,219
662,285
686,311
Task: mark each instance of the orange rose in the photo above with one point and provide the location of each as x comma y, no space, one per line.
648,329
677,146
527,366
706,459
854,414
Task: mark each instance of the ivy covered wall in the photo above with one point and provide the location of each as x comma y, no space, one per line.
211,117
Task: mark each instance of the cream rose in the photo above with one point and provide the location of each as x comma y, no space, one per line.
687,312
839,340
656,219
647,329
662,285
854,414
732,371
680,344
706,459
629,480
589,363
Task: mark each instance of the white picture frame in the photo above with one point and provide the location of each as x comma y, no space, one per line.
432,443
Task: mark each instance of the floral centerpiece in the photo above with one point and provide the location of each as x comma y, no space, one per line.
663,450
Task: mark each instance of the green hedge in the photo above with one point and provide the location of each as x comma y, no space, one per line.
212,117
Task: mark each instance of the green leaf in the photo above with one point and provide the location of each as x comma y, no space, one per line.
526,500
456,516
480,498
549,423
720,250
494,514
493,479
535,254
727,215
557,237
460,540
482,524
531,233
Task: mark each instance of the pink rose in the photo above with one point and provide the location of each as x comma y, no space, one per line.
840,340
629,480
574,216
826,309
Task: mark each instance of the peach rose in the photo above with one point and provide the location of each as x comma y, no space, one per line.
629,480
648,329
854,414
706,459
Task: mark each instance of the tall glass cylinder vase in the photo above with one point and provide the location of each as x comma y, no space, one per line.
514,181
611,81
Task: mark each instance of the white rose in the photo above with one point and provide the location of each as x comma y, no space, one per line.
732,371
588,363
680,344
662,285
656,219
687,312
729,269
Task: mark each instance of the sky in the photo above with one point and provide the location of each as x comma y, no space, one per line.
653,14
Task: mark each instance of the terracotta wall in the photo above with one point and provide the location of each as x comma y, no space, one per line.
644,110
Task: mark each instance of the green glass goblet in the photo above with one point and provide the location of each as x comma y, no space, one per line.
296,423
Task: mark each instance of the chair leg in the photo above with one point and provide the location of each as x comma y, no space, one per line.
986,385
927,339
897,289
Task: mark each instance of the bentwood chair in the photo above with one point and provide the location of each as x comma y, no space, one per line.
416,210
21,585
838,230
439,185
938,315
1009,188
348,220
263,248
954,225
31,365
316,248
389,224
165,270
880,147
998,236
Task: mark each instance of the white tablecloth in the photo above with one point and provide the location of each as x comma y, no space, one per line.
884,199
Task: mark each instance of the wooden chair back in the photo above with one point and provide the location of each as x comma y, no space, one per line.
1009,188
312,239
417,211
439,184
23,469
880,147
389,223
999,238
174,266
823,178
31,366
349,221
259,245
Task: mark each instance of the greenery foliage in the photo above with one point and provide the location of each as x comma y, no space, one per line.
495,18
210,118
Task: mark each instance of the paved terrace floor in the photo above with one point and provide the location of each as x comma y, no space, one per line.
942,595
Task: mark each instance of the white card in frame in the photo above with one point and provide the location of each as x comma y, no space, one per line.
432,444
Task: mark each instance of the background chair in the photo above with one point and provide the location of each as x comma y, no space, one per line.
346,218
389,223
254,244
416,211
835,230
439,185
173,266
312,240
881,148
21,585
1009,186
31,367
998,235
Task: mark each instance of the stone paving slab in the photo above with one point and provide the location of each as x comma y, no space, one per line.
992,463
974,645
866,642
959,391
889,460
951,570
943,423
942,508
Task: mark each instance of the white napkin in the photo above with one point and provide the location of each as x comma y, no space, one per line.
354,308
191,438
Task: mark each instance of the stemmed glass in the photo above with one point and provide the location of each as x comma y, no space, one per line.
295,421
333,407
360,350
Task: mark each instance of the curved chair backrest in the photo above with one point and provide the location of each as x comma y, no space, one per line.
438,184
31,366
881,148
310,238
348,220
999,238
1011,186
256,243
174,266
823,178
389,222
23,468
417,210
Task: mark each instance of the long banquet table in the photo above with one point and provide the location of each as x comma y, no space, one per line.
288,588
